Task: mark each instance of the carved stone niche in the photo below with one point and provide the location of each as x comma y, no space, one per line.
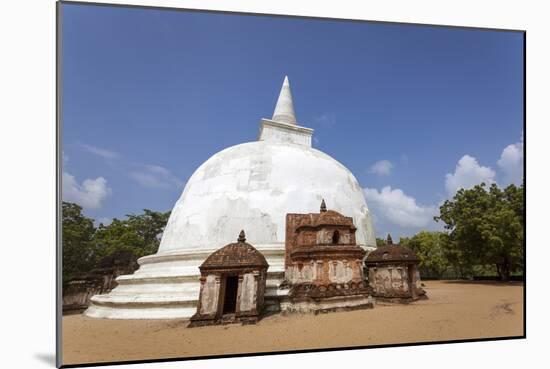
232,286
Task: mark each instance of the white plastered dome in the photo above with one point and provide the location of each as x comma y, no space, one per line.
253,186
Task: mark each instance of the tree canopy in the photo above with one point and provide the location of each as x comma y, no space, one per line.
78,241
485,227
430,247
84,245
139,234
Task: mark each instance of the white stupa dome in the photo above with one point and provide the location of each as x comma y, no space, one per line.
253,186
250,186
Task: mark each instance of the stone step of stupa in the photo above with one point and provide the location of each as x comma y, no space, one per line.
143,299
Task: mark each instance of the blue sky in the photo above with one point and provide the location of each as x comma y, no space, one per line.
413,111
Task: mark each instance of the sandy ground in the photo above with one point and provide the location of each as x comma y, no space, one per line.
454,310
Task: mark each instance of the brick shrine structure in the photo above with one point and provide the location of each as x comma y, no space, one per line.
232,285
393,273
323,264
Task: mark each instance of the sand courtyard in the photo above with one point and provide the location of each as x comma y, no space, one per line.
455,310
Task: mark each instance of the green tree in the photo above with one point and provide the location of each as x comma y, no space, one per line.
78,248
430,248
485,228
380,242
404,241
139,234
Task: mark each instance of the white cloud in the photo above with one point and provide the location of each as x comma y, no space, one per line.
101,152
328,119
382,168
155,176
511,163
90,194
394,206
468,173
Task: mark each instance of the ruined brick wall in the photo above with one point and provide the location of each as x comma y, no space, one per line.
78,292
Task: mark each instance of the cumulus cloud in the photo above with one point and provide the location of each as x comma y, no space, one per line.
155,176
101,152
511,163
90,194
394,206
468,173
382,168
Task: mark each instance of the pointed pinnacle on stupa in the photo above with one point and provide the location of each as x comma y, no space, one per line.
323,206
389,241
284,109
242,236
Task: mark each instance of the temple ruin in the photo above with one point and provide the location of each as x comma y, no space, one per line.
232,285
393,273
323,264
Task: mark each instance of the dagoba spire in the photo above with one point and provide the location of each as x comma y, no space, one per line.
284,110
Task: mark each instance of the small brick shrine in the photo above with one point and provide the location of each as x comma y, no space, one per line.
393,273
232,285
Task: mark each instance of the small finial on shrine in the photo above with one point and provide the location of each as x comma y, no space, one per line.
242,236
389,241
323,206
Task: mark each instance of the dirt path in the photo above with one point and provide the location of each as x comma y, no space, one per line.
454,310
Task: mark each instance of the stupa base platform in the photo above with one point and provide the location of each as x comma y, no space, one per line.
166,286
